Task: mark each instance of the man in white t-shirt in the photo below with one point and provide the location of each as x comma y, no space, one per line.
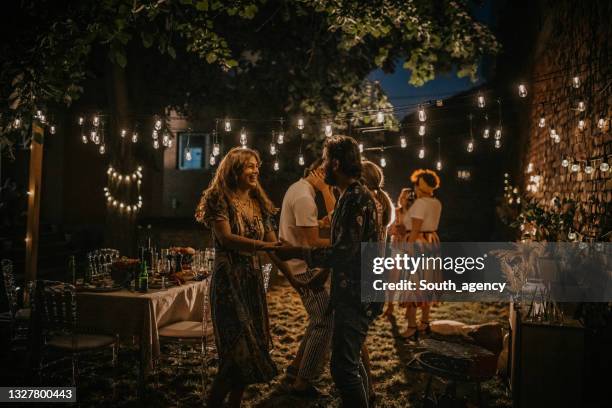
299,225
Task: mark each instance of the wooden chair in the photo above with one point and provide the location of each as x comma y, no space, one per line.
55,313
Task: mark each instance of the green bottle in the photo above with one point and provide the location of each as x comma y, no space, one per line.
143,278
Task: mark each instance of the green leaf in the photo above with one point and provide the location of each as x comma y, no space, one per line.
147,39
171,52
211,57
120,58
231,63
202,5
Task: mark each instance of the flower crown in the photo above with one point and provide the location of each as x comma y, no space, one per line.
414,177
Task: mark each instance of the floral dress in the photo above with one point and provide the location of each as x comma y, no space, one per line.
238,300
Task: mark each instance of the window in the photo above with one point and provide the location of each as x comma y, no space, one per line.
200,148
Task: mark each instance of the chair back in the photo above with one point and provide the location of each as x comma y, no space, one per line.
55,304
100,261
9,285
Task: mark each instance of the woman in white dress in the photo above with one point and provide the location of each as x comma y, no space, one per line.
421,222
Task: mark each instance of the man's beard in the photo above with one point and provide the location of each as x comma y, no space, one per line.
329,178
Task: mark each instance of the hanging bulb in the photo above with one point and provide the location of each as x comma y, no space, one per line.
93,135
588,169
155,134
243,138
102,149
272,149
158,124
552,132
522,90
518,200
188,154
52,129
601,123
280,139
564,163
165,140
228,125
360,147
383,161
571,236
216,149
497,144
557,139
421,130
123,133
438,165
403,142
16,123
421,153
81,120
84,139
422,114
581,106
498,134
486,133
481,101
470,147
301,159
380,117
170,143
542,122
575,167
134,137
212,160
604,166
328,130
576,82
96,121
276,165
156,144
300,123
581,124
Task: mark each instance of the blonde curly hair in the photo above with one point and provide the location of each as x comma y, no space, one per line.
429,177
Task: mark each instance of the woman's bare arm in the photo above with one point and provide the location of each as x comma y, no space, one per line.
224,234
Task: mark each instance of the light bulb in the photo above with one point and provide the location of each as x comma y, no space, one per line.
96,121
438,165
581,106
134,137
588,169
518,200
276,165
403,142
216,149
604,166
280,139
557,139
109,171
52,129
170,143
128,208
564,162
212,160
158,124
552,132
522,90
272,149
498,134
422,130
187,154
166,140
497,144
380,117
120,176
470,147
121,205
601,123
81,120
576,82
123,133
542,122
515,190
300,123
360,147
571,236
575,168
422,114
102,149
156,144
421,153
109,199
328,130
94,135
228,125
481,101
383,162
301,159
581,124
486,133
243,138
17,123
155,134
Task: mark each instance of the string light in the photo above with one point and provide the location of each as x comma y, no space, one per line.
272,149
581,106
601,123
123,133
96,121
380,117
360,147
604,166
188,154
84,139
276,165
16,123
564,162
280,138
542,122
383,161
228,125
52,129
522,90
301,159
212,160
481,101
166,140
102,149
439,162
328,130
155,134
81,121
156,144
575,167
486,133
497,144
422,114
421,130
134,137
403,142
216,150
243,138
158,124
581,124
470,147
300,123
421,153
588,169
498,134
576,82
557,139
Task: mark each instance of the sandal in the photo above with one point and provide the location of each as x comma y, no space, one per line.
414,336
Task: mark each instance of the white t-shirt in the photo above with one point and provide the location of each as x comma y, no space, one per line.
427,209
299,210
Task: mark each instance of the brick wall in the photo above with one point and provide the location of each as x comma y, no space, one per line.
574,40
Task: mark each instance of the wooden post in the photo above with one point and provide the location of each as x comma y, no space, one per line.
34,188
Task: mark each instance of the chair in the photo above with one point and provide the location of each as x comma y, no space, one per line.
100,261
18,318
55,314
190,332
